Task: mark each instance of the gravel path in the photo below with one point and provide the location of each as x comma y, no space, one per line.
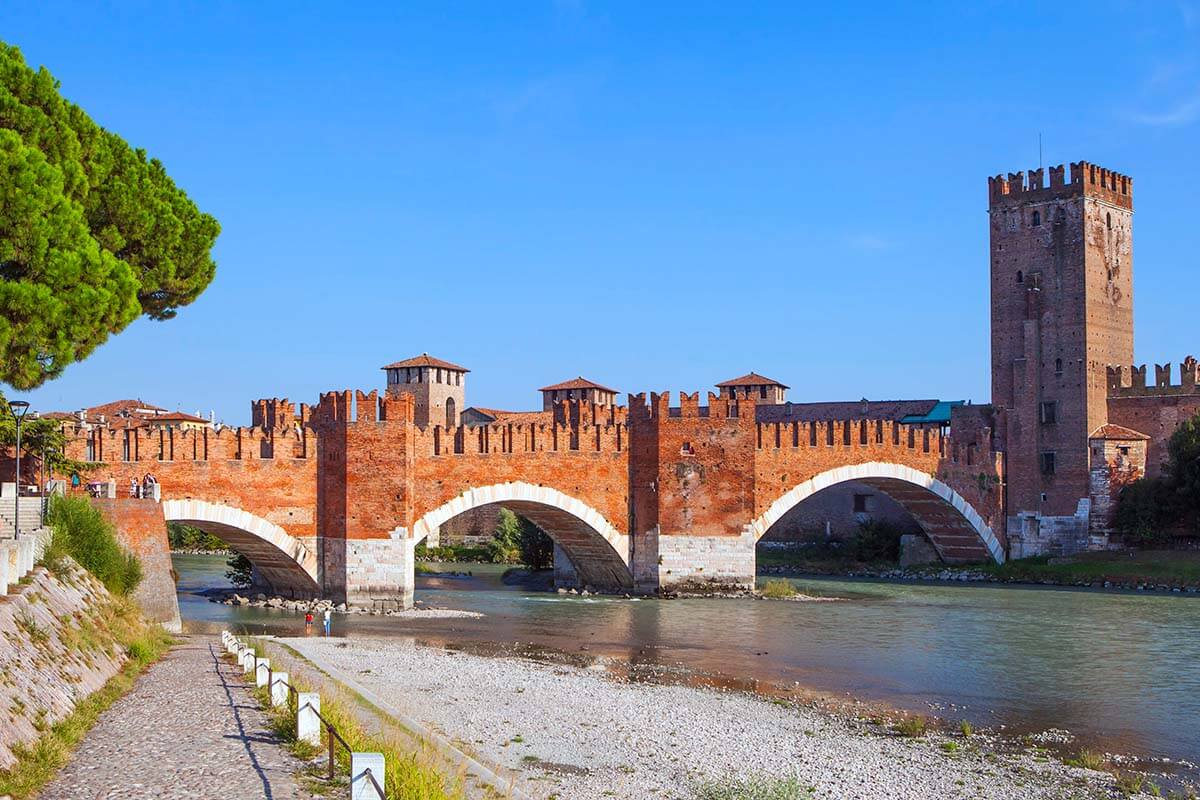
576,733
189,729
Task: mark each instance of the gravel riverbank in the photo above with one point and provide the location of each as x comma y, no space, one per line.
579,732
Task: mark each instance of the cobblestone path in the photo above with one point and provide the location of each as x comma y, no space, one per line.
189,729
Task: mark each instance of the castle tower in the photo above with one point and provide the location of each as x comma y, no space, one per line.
438,388
1062,311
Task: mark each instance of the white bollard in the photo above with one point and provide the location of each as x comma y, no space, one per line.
279,689
361,787
308,727
261,671
247,661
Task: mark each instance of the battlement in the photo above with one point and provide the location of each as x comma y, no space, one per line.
1085,179
1131,381
347,407
659,406
520,438
276,413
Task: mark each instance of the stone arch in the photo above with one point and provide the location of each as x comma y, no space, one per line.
281,559
957,530
598,551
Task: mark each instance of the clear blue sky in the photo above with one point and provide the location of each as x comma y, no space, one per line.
655,195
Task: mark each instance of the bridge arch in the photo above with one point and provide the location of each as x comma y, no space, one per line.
281,559
957,530
598,551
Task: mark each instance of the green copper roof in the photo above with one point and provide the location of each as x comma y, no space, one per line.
939,414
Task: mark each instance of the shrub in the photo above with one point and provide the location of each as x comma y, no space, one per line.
82,532
912,727
1143,511
778,588
240,570
966,729
517,540
877,541
1130,782
1087,759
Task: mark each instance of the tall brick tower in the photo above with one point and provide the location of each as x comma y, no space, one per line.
1062,311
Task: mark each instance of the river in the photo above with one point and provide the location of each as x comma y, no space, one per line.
1120,670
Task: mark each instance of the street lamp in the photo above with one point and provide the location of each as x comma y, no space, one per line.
18,409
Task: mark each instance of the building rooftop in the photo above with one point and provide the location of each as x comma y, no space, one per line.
1119,433
577,383
897,410
751,379
425,360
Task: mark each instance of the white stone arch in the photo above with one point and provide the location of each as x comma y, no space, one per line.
284,560
598,550
880,472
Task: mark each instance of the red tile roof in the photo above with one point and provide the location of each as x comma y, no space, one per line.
577,383
425,360
751,379
121,406
1118,432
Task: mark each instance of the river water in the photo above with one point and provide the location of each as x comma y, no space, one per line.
1119,670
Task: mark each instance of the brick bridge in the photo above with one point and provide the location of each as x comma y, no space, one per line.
332,499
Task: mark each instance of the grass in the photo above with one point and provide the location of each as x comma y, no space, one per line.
1130,782
1087,759
81,532
1136,566
966,729
912,727
38,763
754,788
409,775
778,589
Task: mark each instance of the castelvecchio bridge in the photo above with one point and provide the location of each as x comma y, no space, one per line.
658,495
332,499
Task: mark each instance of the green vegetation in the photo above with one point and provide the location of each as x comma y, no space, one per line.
1130,782
119,622
453,552
1141,566
912,727
876,544
185,537
778,589
40,438
1087,759
410,775
1151,511
966,729
755,788
81,532
239,570
877,541
92,232
516,540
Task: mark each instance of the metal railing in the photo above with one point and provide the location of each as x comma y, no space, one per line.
333,738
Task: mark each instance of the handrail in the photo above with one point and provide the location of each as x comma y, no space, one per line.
329,727
371,777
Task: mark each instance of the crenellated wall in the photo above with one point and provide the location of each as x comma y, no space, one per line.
653,496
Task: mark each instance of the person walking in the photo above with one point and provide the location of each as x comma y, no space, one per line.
308,621
328,617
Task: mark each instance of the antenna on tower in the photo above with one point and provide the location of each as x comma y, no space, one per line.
1039,149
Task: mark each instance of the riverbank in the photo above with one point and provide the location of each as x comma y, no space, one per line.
580,732
1134,570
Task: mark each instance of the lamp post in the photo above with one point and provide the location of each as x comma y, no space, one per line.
18,409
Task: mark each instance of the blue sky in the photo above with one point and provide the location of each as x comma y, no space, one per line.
657,196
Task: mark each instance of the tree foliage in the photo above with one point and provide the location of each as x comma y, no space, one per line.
185,537
39,438
92,232
1150,509
516,540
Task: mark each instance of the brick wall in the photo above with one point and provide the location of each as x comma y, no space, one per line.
142,530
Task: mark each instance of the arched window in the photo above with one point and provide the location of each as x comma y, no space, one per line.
1020,276
1058,365
1109,219
451,416
1037,218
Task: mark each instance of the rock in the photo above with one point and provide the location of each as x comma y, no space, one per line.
340,607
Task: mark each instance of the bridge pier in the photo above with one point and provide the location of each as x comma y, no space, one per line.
379,573
692,563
